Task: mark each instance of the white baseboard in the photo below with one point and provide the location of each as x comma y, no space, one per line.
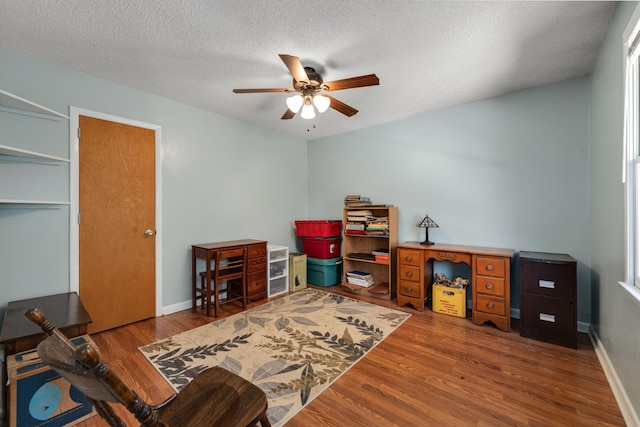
176,307
628,413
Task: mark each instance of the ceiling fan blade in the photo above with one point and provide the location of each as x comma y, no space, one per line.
295,67
341,107
288,115
360,81
263,90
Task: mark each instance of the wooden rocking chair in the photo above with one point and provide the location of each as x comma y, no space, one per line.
216,397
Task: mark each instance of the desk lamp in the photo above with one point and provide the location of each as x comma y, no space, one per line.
427,223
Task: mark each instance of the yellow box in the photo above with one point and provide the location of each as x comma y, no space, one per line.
451,301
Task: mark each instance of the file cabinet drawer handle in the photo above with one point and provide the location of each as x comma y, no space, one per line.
489,285
489,267
548,317
548,284
409,273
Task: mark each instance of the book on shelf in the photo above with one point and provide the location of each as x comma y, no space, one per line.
359,274
380,288
381,251
356,232
384,259
377,232
356,200
355,226
360,213
376,228
365,283
361,255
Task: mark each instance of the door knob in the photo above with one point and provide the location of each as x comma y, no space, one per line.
148,233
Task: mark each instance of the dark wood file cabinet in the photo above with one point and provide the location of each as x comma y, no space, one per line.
548,298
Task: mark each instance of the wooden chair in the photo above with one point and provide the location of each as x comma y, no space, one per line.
230,268
216,397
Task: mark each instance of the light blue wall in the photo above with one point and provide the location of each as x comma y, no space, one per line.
515,171
508,172
615,315
202,151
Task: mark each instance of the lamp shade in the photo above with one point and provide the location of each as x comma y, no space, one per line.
427,223
307,109
295,102
321,103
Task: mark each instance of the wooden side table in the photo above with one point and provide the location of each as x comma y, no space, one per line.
19,334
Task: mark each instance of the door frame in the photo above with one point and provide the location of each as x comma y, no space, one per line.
74,196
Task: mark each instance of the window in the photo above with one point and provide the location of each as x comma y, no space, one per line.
631,153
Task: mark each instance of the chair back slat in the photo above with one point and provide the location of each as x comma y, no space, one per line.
60,355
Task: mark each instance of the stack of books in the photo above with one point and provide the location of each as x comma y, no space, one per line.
357,221
360,278
382,255
356,200
378,226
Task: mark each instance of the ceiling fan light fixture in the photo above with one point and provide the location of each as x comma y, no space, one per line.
321,102
295,102
307,109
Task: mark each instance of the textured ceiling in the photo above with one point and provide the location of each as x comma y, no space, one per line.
427,54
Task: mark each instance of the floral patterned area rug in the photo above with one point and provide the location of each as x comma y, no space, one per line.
293,348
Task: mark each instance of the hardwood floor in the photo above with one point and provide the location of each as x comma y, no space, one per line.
434,370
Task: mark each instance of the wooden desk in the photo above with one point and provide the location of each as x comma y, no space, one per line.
490,282
19,334
256,268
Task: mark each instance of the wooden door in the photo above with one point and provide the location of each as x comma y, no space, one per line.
117,207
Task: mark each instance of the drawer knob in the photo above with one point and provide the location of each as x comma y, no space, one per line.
408,289
489,267
408,258
409,273
490,305
489,285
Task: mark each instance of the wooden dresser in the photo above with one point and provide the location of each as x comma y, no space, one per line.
548,298
491,278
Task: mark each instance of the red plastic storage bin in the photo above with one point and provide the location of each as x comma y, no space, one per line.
317,247
319,228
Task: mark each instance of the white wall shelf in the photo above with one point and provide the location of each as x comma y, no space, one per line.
15,104
10,100
5,150
34,203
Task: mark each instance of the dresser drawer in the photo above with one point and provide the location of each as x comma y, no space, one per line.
256,283
490,266
546,279
409,272
409,257
490,285
548,313
259,250
257,264
489,304
409,289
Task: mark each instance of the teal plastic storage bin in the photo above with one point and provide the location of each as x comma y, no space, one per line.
324,272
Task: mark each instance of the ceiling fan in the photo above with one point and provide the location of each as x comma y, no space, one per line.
308,83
